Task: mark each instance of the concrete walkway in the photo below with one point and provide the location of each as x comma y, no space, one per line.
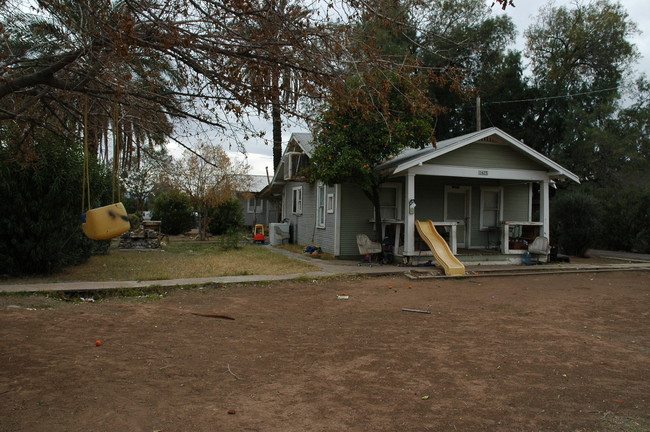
331,268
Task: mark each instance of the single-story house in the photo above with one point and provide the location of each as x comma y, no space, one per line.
485,190
257,210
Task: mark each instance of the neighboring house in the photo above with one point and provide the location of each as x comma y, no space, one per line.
483,190
257,210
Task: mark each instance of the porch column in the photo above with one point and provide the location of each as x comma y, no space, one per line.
544,210
409,216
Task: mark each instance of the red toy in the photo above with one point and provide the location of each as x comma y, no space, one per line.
258,233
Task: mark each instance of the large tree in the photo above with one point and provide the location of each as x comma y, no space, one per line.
579,60
144,66
210,178
465,42
382,110
141,182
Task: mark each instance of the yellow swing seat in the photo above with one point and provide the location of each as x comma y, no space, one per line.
106,222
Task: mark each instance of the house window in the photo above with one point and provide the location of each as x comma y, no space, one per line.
390,197
254,205
330,203
296,200
321,191
490,207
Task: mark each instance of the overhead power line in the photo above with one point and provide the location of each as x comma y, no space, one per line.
567,96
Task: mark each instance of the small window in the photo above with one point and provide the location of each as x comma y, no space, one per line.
296,201
330,203
320,205
254,205
490,208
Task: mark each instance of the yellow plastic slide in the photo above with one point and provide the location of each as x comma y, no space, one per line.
440,248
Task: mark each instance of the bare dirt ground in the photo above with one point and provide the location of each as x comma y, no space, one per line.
536,353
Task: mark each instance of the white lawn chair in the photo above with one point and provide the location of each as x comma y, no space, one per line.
540,246
369,250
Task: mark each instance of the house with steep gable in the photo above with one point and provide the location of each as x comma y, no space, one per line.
256,210
484,191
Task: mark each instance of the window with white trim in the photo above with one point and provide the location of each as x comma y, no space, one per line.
296,200
330,203
321,193
254,205
491,207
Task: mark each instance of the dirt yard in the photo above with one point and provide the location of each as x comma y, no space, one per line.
534,353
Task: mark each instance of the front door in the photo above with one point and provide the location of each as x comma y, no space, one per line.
457,209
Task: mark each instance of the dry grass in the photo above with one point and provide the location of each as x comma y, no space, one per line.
180,259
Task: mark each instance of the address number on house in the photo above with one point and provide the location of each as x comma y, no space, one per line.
483,172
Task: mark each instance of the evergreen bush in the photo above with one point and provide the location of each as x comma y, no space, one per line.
575,217
40,225
226,217
174,211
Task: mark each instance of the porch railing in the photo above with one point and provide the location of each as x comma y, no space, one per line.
521,232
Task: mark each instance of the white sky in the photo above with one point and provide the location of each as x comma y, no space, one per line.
259,155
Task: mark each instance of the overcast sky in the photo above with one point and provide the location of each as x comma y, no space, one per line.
523,14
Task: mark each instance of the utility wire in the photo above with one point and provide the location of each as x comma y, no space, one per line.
550,97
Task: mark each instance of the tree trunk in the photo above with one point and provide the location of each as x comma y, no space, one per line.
276,118
203,224
373,195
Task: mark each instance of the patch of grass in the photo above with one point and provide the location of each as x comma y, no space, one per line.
181,259
618,423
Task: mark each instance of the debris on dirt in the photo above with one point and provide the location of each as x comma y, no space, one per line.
416,310
87,299
343,296
425,397
231,372
210,315
98,343
232,412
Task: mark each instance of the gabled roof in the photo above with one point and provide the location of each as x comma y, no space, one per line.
257,183
413,157
305,141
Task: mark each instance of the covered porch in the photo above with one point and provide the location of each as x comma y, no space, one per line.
484,191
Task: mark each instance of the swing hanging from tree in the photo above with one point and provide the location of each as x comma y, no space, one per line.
110,221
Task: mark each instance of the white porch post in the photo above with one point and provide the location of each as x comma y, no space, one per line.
544,210
409,218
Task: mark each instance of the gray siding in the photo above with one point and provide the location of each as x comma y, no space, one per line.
324,237
481,155
303,227
266,215
516,203
356,212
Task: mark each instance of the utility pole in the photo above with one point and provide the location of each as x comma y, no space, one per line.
478,113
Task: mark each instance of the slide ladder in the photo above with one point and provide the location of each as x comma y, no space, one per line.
440,248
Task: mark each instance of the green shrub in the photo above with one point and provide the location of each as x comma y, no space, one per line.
625,220
135,220
231,239
40,225
174,211
575,218
226,217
